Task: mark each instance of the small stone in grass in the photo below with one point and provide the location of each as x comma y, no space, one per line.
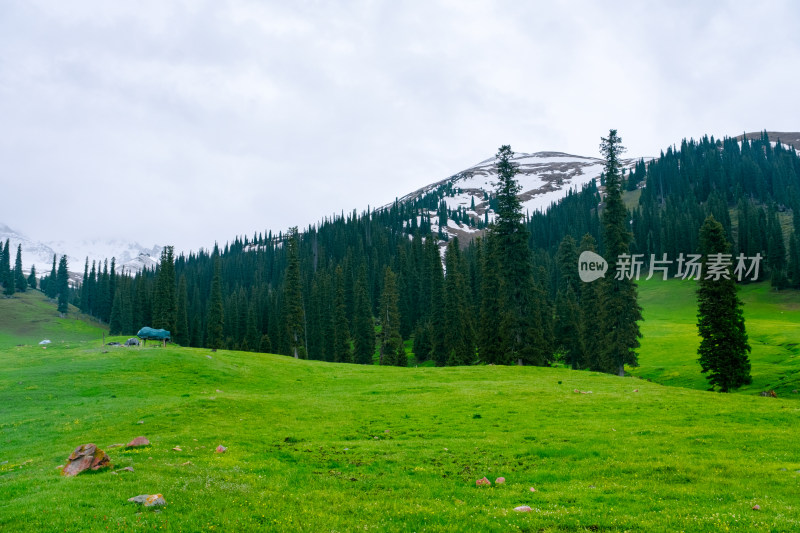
140,422
635,390
523,509
756,507
138,441
177,449
149,500
128,469
483,481
221,449
499,481
533,490
187,463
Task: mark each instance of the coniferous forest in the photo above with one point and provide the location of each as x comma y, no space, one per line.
376,286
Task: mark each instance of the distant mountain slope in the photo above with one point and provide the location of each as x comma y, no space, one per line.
545,178
789,138
129,256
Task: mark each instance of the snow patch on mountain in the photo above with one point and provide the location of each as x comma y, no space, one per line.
544,178
130,257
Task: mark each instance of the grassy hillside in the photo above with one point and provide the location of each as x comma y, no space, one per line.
30,317
325,447
669,348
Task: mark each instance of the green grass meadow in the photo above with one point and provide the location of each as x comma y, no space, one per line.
30,317
668,353
329,447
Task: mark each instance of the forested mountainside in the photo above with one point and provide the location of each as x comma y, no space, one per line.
330,287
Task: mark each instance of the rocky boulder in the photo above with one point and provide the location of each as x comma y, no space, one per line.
85,457
138,441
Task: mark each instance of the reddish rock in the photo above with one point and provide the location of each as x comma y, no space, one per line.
138,441
756,507
499,481
221,449
483,481
523,509
85,457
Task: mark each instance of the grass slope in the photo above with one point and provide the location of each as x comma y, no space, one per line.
30,316
327,447
668,353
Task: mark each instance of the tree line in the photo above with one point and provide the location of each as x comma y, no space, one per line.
378,286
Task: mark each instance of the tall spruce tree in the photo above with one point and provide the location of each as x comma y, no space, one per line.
363,329
293,300
32,277
621,312
165,302
181,334
6,274
493,313
389,317
21,284
723,346
51,289
216,314
521,329
567,309
459,332
341,332
591,337
115,322
84,302
62,285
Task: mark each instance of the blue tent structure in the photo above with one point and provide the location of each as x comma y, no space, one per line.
150,334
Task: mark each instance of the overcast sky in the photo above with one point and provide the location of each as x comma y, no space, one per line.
189,122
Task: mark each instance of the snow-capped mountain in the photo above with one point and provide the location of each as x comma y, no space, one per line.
132,257
544,177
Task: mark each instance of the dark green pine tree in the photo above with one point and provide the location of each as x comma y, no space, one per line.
621,312
252,334
51,290
32,277
459,332
493,314
21,284
293,300
567,319
62,285
436,318
341,331
115,322
389,317
723,346
84,304
181,335
794,261
363,329
521,331
216,315
591,337
165,302
6,274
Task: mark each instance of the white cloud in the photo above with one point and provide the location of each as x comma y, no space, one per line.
212,119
